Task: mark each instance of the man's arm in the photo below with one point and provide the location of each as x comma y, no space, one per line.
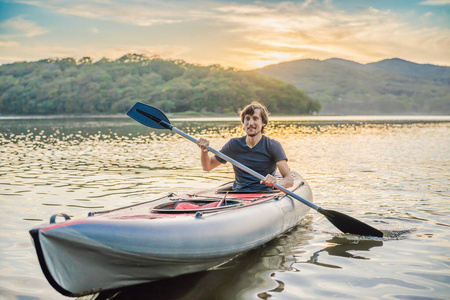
208,162
287,180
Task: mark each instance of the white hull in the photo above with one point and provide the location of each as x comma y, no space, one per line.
140,244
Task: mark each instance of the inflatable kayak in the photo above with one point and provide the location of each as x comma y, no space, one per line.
166,237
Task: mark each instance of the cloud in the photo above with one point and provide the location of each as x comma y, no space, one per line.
435,2
289,31
6,44
135,12
41,51
19,27
257,33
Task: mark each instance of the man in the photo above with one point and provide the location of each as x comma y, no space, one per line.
255,150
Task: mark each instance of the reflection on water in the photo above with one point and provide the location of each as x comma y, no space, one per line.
342,246
391,175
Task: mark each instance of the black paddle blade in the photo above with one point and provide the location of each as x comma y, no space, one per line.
347,224
149,116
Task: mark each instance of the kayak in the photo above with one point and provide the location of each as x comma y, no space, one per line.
162,238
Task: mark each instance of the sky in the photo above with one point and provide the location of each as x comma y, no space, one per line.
240,34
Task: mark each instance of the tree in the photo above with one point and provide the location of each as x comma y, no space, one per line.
60,86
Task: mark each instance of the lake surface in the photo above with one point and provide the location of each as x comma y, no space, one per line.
392,173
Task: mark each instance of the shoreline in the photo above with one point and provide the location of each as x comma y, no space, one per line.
219,117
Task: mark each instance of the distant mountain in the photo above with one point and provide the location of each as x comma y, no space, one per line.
391,86
412,70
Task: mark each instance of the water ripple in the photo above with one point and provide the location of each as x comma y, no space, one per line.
393,176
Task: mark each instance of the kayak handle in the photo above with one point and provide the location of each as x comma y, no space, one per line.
53,218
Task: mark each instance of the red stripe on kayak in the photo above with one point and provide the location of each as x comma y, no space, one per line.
249,195
68,223
147,217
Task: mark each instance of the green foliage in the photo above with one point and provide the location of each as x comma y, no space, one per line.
65,86
391,86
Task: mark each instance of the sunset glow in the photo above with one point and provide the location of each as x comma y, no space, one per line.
241,34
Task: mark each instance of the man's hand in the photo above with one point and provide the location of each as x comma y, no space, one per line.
269,180
203,143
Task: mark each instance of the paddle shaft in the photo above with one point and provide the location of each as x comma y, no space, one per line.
343,222
244,168
347,224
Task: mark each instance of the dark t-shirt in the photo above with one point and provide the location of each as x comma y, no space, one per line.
262,158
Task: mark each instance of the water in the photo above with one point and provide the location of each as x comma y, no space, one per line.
390,173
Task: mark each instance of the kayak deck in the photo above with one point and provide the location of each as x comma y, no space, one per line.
155,240
202,203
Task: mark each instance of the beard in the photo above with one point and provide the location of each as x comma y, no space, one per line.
256,131
253,134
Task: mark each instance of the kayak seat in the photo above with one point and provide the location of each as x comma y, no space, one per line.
228,188
183,206
190,205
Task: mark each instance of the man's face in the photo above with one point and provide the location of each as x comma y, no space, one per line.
253,123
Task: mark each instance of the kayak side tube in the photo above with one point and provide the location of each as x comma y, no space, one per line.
81,257
37,245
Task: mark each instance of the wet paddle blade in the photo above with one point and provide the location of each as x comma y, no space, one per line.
347,224
149,116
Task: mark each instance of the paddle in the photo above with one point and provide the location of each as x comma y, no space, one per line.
152,117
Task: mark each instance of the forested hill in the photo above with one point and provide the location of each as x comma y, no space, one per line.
392,86
67,86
